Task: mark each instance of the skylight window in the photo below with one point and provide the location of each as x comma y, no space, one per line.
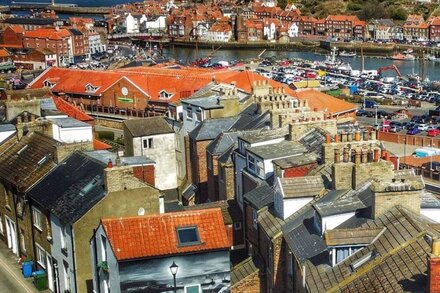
47,83
91,88
188,236
42,161
89,186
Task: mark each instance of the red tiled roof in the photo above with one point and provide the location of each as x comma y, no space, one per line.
71,110
156,235
323,101
47,33
4,53
16,29
100,145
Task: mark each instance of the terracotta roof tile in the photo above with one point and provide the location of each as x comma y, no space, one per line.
156,235
418,162
71,110
4,53
47,33
100,145
323,101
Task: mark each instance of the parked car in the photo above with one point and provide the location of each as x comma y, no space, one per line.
413,131
422,127
395,128
361,112
433,132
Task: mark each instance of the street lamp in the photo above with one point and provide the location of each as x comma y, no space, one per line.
174,268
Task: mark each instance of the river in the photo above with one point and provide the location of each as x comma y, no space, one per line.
188,55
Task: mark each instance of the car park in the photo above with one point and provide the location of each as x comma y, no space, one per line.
396,128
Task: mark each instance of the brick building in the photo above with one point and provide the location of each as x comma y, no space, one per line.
13,36
58,41
434,29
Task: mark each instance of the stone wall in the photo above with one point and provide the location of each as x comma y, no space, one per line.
16,107
404,192
298,128
120,178
64,150
382,170
342,175
250,284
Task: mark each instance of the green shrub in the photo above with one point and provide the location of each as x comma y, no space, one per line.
105,135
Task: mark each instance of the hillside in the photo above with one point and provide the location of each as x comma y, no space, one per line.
367,9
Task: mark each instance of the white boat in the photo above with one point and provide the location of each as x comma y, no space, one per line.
409,51
433,58
347,54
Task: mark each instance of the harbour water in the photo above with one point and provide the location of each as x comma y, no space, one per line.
188,55
85,3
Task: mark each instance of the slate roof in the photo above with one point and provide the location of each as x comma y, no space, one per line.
139,237
223,142
313,141
230,210
400,255
104,156
307,186
69,122
72,188
28,160
296,161
278,150
243,270
261,196
211,128
148,126
27,20
269,223
265,135
7,127
337,237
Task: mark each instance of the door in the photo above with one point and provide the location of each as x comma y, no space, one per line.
11,231
50,278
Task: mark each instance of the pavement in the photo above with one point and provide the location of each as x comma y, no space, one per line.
11,278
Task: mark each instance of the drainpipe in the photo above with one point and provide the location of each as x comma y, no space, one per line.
95,249
73,260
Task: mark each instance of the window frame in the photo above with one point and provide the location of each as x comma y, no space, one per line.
37,223
180,243
38,250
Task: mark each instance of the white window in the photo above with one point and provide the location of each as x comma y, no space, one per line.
63,237
37,219
189,113
197,288
41,256
103,248
66,276
199,115
148,143
251,163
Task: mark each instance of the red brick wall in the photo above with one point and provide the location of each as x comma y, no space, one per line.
298,171
410,139
12,38
145,173
213,192
199,168
434,274
111,95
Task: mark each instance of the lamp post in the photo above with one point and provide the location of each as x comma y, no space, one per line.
174,268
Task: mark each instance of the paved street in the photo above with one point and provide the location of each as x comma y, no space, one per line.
11,278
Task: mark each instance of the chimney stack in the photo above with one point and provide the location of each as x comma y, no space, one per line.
434,267
389,194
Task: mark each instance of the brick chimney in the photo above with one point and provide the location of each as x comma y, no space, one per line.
434,267
399,192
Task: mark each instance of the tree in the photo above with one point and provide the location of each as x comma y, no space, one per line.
282,4
398,13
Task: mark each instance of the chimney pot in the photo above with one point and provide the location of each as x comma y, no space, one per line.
328,138
435,247
337,156
357,136
110,164
336,137
376,155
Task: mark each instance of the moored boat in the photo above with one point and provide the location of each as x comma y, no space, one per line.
403,57
347,54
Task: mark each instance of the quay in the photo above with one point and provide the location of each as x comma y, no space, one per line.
57,8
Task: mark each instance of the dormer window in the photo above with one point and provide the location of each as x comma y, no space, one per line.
165,95
47,83
91,88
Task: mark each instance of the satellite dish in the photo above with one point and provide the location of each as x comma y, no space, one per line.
141,212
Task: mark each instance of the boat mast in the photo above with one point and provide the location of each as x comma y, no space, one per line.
362,59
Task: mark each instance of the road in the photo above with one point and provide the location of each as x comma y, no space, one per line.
11,279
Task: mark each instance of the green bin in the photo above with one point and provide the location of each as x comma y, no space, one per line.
40,280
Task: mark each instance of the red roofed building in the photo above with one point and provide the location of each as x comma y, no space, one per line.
415,28
344,26
185,251
434,29
13,36
57,40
